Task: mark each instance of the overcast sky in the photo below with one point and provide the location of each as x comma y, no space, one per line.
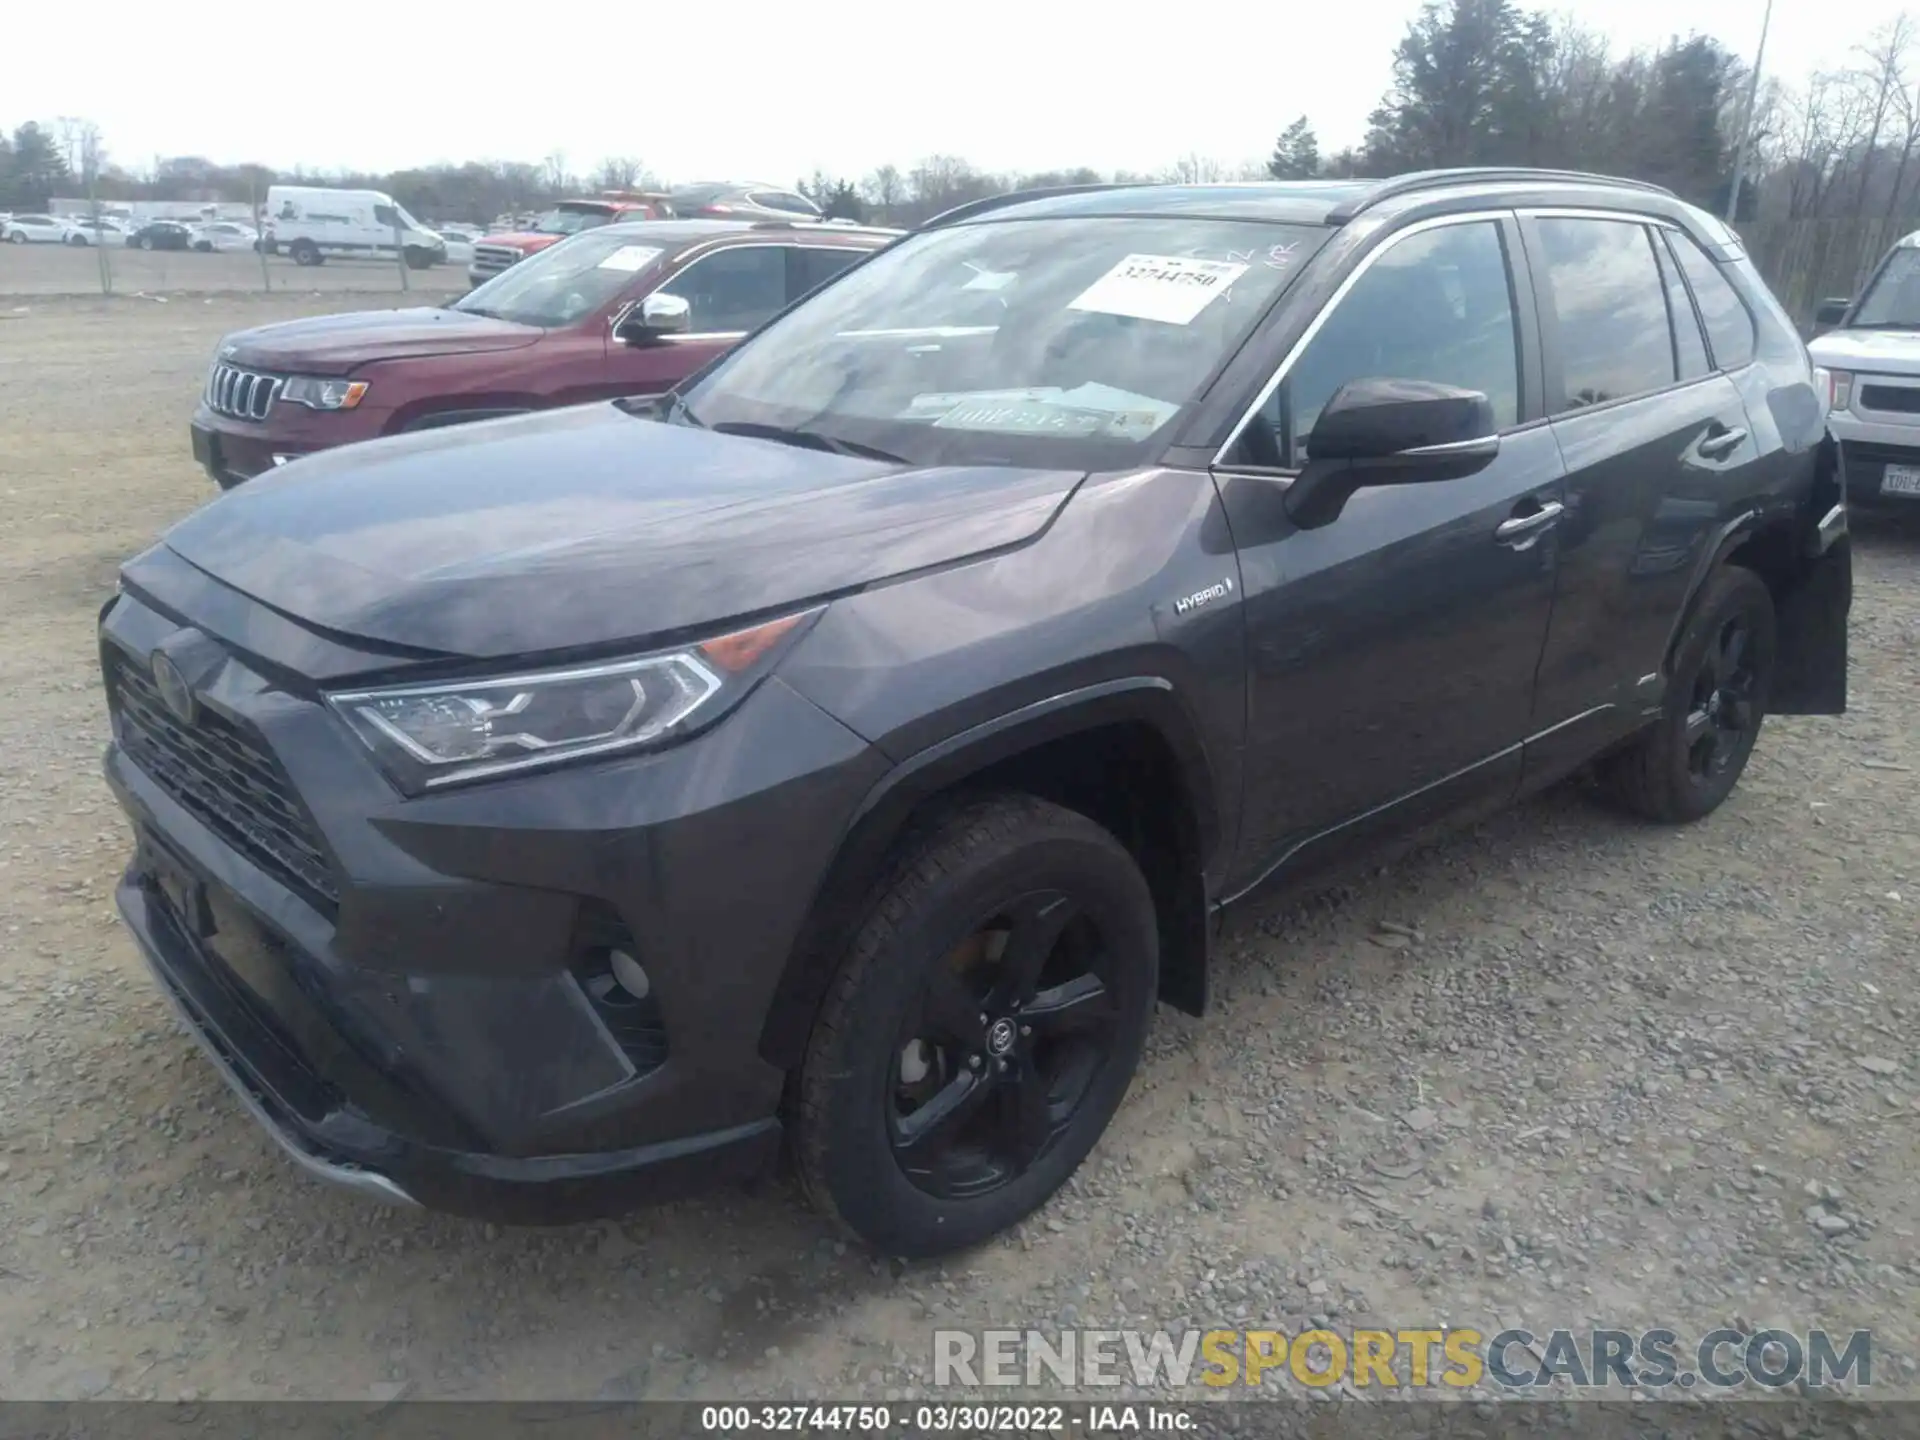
766,89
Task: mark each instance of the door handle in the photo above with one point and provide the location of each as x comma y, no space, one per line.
1725,443
1521,525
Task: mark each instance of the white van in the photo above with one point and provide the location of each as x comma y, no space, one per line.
311,223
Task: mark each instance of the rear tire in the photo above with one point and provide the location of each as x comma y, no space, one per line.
145,242
1687,763
951,1087
18,237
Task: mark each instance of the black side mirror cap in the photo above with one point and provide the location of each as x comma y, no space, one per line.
1380,431
1832,312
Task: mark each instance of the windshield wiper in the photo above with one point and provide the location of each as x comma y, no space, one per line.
1885,325
809,439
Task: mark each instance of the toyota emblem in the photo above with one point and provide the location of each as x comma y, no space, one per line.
1000,1037
175,693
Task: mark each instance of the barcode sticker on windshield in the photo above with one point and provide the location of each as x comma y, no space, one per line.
1169,288
631,257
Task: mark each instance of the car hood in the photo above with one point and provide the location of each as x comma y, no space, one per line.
335,344
1884,352
526,241
590,527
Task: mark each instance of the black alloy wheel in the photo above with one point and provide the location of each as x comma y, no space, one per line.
1722,717
1686,763
1010,1028
982,1028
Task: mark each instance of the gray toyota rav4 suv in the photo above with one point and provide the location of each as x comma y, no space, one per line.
846,754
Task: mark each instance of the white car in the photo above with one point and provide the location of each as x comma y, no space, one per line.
39,230
225,235
104,231
1870,349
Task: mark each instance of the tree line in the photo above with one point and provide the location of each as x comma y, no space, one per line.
1474,82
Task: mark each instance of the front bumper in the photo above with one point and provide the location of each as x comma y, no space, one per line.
1868,446
234,451
416,1020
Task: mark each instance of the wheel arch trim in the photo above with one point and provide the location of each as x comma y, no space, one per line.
875,825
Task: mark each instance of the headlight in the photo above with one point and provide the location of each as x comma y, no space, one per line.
317,393
427,736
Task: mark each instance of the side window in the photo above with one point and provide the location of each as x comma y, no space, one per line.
1729,324
733,289
386,215
1604,286
1435,306
816,267
1689,349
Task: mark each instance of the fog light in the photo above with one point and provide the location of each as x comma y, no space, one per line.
629,975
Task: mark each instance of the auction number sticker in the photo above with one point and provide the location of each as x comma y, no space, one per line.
631,257
1169,288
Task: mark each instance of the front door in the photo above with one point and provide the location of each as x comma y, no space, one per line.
1391,652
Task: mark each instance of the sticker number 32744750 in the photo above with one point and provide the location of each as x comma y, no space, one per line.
1169,288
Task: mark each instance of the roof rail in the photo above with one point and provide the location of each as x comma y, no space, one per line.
1433,179
1015,197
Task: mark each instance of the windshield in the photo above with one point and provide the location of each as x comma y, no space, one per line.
1893,300
1071,342
570,220
563,283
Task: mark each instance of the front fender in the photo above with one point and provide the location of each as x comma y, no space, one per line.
874,832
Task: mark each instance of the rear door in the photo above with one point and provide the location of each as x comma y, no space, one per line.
1656,442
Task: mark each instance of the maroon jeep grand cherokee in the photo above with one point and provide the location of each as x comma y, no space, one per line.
620,310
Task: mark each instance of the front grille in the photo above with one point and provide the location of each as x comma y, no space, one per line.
226,779
494,258
1898,399
243,394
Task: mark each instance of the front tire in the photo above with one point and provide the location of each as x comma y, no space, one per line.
982,1028
304,252
1686,765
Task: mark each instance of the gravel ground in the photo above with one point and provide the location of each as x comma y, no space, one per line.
1563,1069
30,271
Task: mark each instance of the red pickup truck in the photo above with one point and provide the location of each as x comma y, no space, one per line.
626,309
494,253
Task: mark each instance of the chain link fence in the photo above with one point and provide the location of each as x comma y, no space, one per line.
99,254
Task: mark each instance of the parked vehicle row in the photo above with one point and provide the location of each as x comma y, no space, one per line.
495,252
119,233
990,620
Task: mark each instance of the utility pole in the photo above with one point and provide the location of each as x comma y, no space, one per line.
1746,119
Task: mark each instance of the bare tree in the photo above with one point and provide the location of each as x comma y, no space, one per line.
884,189
1194,169
1883,78
617,172
553,173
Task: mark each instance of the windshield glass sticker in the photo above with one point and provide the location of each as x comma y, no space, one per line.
988,279
1169,288
631,257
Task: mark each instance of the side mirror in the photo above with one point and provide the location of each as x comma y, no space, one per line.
1831,312
657,315
1390,432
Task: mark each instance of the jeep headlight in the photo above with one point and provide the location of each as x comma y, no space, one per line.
427,736
319,393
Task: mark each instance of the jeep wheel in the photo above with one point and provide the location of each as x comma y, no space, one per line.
981,1030
1689,761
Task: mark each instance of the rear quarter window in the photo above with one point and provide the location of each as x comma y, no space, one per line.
1730,333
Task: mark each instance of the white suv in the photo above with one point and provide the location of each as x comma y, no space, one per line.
1872,352
38,229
